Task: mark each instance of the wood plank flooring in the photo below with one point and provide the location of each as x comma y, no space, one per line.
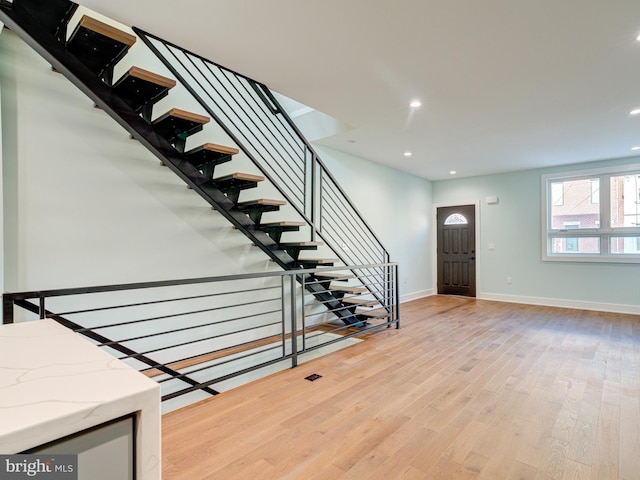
466,389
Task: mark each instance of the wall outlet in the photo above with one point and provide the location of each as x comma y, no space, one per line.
509,280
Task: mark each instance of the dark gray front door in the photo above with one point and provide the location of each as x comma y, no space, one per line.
456,250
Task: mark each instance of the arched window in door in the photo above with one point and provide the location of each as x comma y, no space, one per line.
456,219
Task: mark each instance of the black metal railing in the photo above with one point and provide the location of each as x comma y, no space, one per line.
252,116
193,335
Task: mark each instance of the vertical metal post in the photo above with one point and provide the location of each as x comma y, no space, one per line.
7,310
294,323
318,221
302,302
314,194
282,310
42,309
395,283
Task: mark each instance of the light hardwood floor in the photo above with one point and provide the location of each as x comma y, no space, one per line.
466,389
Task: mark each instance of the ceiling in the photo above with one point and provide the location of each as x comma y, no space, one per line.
505,85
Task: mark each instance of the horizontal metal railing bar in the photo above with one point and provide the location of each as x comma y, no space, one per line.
229,376
167,300
202,339
282,127
233,135
270,121
325,171
323,168
194,327
293,161
223,362
146,39
335,204
263,350
234,99
96,337
354,334
351,227
341,233
347,228
180,314
220,351
187,281
221,97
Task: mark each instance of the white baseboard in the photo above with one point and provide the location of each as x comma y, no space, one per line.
416,295
554,302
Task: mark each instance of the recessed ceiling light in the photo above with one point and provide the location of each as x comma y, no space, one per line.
638,38
415,103
407,154
635,111
452,172
636,147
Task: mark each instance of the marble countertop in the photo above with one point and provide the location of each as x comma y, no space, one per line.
54,383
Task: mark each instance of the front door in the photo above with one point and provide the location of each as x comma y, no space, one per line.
456,250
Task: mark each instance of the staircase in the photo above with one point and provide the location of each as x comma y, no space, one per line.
87,57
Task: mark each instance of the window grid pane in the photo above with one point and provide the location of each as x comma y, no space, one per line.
583,245
579,208
625,245
625,201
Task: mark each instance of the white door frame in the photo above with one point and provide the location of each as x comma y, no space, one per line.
434,242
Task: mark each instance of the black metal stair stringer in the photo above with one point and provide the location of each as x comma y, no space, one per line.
54,52
103,96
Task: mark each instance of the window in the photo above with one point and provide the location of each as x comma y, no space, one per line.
592,215
456,219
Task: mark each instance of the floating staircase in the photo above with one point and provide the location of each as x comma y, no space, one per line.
88,57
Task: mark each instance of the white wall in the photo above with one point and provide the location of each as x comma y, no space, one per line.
514,226
84,205
397,206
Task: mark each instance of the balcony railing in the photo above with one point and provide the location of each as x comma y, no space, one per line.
194,336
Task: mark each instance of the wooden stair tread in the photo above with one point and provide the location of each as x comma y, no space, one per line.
374,313
347,289
138,87
151,77
210,154
213,147
318,261
176,125
260,202
97,45
285,223
301,244
247,177
334,275
106,30
183,115
363,302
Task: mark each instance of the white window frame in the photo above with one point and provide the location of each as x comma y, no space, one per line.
604,232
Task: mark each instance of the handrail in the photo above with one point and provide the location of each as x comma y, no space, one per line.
208,326
203,331
265,156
